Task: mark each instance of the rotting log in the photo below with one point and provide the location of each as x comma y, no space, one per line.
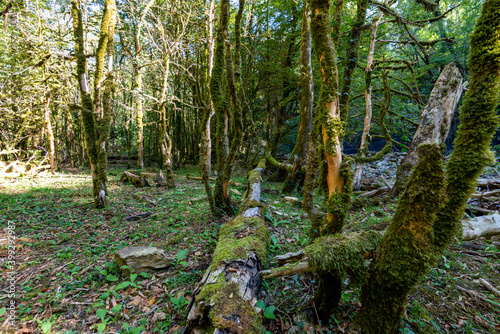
231,182
226,296
135,180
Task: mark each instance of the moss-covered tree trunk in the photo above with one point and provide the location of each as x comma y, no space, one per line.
420,232
478,122
331,130
220,107
165,140
50,133
301,148
435,121
406,251
96,112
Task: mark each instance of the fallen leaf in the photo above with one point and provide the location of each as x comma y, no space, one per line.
152,301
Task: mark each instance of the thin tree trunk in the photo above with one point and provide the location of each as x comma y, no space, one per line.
50,133
301,148
358,173
96,121
220,107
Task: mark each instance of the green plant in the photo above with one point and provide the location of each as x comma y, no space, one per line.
181,255
268,310
178,303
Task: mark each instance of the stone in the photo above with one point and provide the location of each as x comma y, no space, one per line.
143,258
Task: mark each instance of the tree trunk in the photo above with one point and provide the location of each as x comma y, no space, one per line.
96,122
220,107
226,297
405,253
358,173
337,175
301,148
50,133
435,121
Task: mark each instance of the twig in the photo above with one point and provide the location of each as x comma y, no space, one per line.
386,183
490,287
477,295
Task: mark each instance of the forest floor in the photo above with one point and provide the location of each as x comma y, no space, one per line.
67,281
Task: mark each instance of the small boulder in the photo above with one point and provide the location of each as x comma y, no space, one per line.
143,258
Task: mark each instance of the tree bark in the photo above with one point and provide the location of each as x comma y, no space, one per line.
96,120
435,121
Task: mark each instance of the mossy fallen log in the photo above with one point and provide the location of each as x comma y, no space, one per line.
231,183
226,296
135,180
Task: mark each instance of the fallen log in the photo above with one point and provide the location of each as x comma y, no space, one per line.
488,183
225,298
231,183
135,180
483,226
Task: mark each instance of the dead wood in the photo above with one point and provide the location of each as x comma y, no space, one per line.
225,298
135,180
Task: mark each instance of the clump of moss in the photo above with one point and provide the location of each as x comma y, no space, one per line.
406,252
240,236
343,254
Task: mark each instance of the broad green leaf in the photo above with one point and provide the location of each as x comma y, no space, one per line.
260,304
2,311
112,278
101,327
269,312
123,285
101,313
116,308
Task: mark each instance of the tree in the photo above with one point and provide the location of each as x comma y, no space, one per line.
96,111
428,214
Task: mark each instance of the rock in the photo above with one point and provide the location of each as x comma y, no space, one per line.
289,199
236,192
143,258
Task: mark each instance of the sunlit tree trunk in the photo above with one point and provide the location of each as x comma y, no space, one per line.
96,113
50,133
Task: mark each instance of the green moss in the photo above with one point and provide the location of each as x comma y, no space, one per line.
240,236
406,251
342,254
478,122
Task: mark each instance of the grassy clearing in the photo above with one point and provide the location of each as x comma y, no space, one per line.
67,281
